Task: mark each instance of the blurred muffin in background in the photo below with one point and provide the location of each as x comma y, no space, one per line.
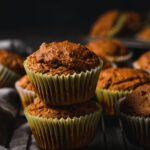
11,68
144,34
108,24
134,20
134,113
114,22
115,83
25,90
143,62
112,50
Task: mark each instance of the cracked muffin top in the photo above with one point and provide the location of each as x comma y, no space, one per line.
105,23
122,78
40,109
144,34
144,61
138,102
25,83
108,47
12,61
62,58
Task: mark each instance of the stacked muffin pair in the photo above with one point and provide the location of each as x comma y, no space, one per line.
64,76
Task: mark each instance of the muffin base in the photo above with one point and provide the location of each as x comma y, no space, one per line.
65,90
26,96
7,77
108,98
62,133
137,129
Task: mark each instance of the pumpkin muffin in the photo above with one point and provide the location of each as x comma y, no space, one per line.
25,90
112,50
108,24
63,73
134,112
144,34
11,68
47,124
115,83
114,22
143,62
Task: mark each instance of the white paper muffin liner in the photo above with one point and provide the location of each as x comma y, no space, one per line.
26,96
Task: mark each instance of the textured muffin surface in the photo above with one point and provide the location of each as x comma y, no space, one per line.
144,34
138,102
38,108
108,47
144,61
105,23
12,61
122,78
62,58
25,83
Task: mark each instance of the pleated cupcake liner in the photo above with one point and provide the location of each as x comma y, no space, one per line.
135,65
26,96
56,134
108,98
61,90
137,129
7,77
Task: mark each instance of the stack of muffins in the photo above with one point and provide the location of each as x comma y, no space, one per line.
64,76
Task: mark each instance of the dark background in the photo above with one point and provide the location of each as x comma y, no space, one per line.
56,19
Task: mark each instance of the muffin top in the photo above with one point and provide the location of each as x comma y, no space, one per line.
138,102
38,108
12,61
108,47
25,83
144,34
122,78
144,61
62,58
105,23
133,20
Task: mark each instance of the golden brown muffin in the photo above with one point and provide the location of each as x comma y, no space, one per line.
108,47
62,58
138,102
40,109
114,22
12,61
144,34
122,78
25,83
144,61
134,20
105,23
